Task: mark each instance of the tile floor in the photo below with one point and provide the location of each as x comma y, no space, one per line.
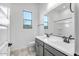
29,51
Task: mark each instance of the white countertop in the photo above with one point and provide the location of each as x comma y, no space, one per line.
57,42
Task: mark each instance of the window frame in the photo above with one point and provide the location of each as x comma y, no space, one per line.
24,25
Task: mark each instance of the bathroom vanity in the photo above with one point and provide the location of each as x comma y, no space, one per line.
60,23
46,47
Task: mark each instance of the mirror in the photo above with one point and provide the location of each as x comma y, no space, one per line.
61,21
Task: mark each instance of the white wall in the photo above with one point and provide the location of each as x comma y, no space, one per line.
77,28
22,37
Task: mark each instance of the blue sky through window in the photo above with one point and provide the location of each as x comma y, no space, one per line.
27,18
27,15
45,21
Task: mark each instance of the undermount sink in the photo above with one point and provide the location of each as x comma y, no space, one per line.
51,38
54,38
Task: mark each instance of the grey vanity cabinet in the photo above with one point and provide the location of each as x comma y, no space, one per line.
43,49
39,47
53,51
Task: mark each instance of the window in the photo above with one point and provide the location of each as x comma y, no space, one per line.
27,18
45,22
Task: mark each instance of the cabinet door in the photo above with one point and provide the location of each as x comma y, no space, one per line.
37,49
40,53
47,53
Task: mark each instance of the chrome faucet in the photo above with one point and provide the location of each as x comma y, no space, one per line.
67,39
48,35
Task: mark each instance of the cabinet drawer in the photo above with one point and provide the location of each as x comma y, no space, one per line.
54,51
39,41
